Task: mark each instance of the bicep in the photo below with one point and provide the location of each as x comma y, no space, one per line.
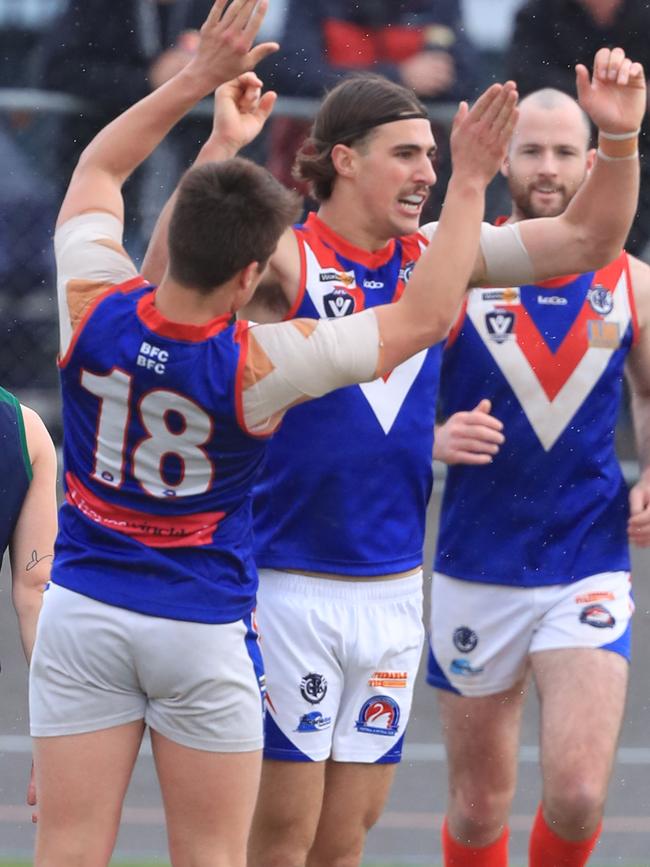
91,189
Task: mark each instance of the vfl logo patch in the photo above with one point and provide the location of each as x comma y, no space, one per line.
465,639
463,668
500,325
603,335
598,616
379,716
601,299
338,303
314,721
406,271
313,687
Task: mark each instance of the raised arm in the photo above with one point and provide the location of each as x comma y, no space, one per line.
224,52
592,230
32,542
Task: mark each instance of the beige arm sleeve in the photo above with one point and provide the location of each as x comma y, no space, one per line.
290,362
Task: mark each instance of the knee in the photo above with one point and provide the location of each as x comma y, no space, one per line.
280,844
345,849
479,810
575,806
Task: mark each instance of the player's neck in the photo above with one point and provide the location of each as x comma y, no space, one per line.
188,306
355,228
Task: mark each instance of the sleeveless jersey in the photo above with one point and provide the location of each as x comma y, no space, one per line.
16,466
347,477
552,506
158,468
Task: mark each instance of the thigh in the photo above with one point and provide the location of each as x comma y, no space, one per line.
379,668
301,631
82,674
209,799
81,781
582,696
480,636
203,683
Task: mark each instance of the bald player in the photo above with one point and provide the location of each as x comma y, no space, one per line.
540,587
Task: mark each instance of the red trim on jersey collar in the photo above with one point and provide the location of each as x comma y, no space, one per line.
372,260
154,320
553,283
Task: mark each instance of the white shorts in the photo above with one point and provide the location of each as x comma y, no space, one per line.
482,634
95,666
341,659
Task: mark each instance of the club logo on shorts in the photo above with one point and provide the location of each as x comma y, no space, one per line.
314,721
601,299
379,716
313,687
464,668
500,325
465,639
338,303
598,616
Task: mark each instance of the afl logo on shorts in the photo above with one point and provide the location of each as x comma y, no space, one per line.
465,639
379,716
601,299
598,616
313,687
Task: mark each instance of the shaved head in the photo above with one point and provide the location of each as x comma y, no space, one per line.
549,99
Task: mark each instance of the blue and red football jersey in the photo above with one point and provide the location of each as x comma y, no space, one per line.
552,507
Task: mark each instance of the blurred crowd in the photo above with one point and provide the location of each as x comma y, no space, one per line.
109,53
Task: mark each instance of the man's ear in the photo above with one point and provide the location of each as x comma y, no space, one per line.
344,160
591,157
505,166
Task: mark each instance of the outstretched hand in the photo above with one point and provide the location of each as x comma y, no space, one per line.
615,96
472,437
225,48
480,134
240,111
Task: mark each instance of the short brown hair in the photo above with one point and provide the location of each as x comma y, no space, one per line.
349,115
226,215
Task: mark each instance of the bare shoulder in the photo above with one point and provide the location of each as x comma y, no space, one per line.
39,442
640,276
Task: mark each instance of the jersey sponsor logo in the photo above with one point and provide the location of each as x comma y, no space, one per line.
507,295
388,679
556,300
379,715
595,596
406,271
152,357
338,303
331,276
603,335
313,687
314,721
372,284
465,639
601,299
598,616
464,668
500,325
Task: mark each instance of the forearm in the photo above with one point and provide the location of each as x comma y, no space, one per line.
27,602
641,422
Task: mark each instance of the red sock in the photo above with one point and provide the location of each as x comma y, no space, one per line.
547,849
456,854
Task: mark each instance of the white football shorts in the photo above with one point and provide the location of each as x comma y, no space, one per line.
96,666
482,634
341,659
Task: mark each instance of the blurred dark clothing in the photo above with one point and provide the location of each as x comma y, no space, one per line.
324,41
551,36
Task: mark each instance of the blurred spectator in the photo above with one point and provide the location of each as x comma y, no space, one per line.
21,23
551,36
419,43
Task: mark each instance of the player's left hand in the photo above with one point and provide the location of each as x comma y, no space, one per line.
31,793
240,111
472,437
615,97
638,526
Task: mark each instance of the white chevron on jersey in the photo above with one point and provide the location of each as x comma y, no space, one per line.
549,418
386,396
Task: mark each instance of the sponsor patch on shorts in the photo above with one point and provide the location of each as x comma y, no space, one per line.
379,715
389,679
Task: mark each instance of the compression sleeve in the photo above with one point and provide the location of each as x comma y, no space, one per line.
290,362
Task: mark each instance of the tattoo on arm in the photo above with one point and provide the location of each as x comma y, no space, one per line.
36,560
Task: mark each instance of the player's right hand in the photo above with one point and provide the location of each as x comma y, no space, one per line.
240,111
472,437
480,134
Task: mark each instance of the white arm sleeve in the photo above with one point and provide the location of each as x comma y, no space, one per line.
89,259
307,358
507,262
